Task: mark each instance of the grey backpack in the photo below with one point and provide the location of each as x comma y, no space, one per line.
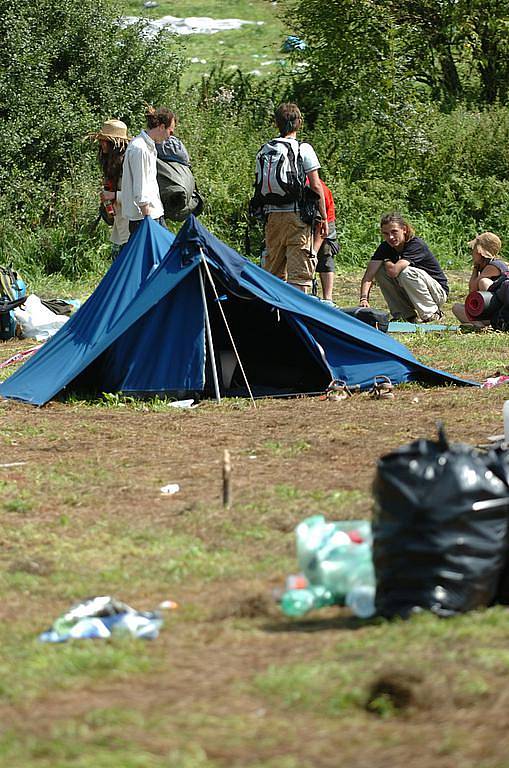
178,191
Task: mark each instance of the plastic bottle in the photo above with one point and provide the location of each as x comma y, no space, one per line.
108,204
318,539
337,560
360,596
505,412
361,600
297,602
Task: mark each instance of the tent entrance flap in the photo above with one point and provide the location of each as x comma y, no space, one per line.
168,342
276,360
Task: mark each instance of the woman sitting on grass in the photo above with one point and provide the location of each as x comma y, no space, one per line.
486,268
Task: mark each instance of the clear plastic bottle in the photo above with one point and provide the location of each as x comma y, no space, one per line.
361,600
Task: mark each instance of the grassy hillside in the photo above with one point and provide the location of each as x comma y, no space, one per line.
252,48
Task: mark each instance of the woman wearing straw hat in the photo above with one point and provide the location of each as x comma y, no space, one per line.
486,267
113,141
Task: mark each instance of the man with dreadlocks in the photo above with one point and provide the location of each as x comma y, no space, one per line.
113,141
140,188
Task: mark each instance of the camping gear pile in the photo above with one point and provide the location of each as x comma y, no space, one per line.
28,317
36,320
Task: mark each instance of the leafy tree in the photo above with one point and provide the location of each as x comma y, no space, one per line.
377,51
352,56
65,66
487,33
450,40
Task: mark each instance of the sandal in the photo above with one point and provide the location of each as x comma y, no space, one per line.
382,388
337,390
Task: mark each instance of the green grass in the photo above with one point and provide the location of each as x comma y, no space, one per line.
93,744
342,685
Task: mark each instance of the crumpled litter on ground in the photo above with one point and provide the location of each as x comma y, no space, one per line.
102,617
19,356
190,25
495,381
170,489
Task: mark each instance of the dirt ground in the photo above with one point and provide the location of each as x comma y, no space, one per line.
309,445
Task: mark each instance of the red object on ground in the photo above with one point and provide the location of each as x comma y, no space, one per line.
355,537
297,581
477,304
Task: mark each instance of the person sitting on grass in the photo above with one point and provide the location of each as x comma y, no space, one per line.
411,280
486,267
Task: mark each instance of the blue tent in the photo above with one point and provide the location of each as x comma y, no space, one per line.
144,331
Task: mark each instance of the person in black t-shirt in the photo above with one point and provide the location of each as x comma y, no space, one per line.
409,276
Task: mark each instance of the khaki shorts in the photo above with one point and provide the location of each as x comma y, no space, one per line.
288,243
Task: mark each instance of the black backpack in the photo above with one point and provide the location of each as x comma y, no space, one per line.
499,306
12,295
375,317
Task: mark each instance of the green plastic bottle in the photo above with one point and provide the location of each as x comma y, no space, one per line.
297,602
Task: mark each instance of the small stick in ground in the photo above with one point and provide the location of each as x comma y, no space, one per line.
227,471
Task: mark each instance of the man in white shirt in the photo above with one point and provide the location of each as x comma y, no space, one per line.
288,240
140,191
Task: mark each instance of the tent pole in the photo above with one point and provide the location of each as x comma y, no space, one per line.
209,333
207,270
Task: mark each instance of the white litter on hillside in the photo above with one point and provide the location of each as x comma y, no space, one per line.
191,25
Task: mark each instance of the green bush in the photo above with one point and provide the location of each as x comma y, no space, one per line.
67,66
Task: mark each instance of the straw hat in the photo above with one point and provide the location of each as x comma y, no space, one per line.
488,244
112,130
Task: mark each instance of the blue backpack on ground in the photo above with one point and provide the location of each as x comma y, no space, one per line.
12,294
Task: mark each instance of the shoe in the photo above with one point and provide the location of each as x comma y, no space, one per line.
382,388
337,390
434,318
413,319
328,302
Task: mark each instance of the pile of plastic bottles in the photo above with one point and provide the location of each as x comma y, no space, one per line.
101,617
336,561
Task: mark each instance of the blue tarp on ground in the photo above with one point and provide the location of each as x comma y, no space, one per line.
143,330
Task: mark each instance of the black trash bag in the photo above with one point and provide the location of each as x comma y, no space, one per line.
375,317
440,527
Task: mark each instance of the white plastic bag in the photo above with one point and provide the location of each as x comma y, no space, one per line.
37,321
